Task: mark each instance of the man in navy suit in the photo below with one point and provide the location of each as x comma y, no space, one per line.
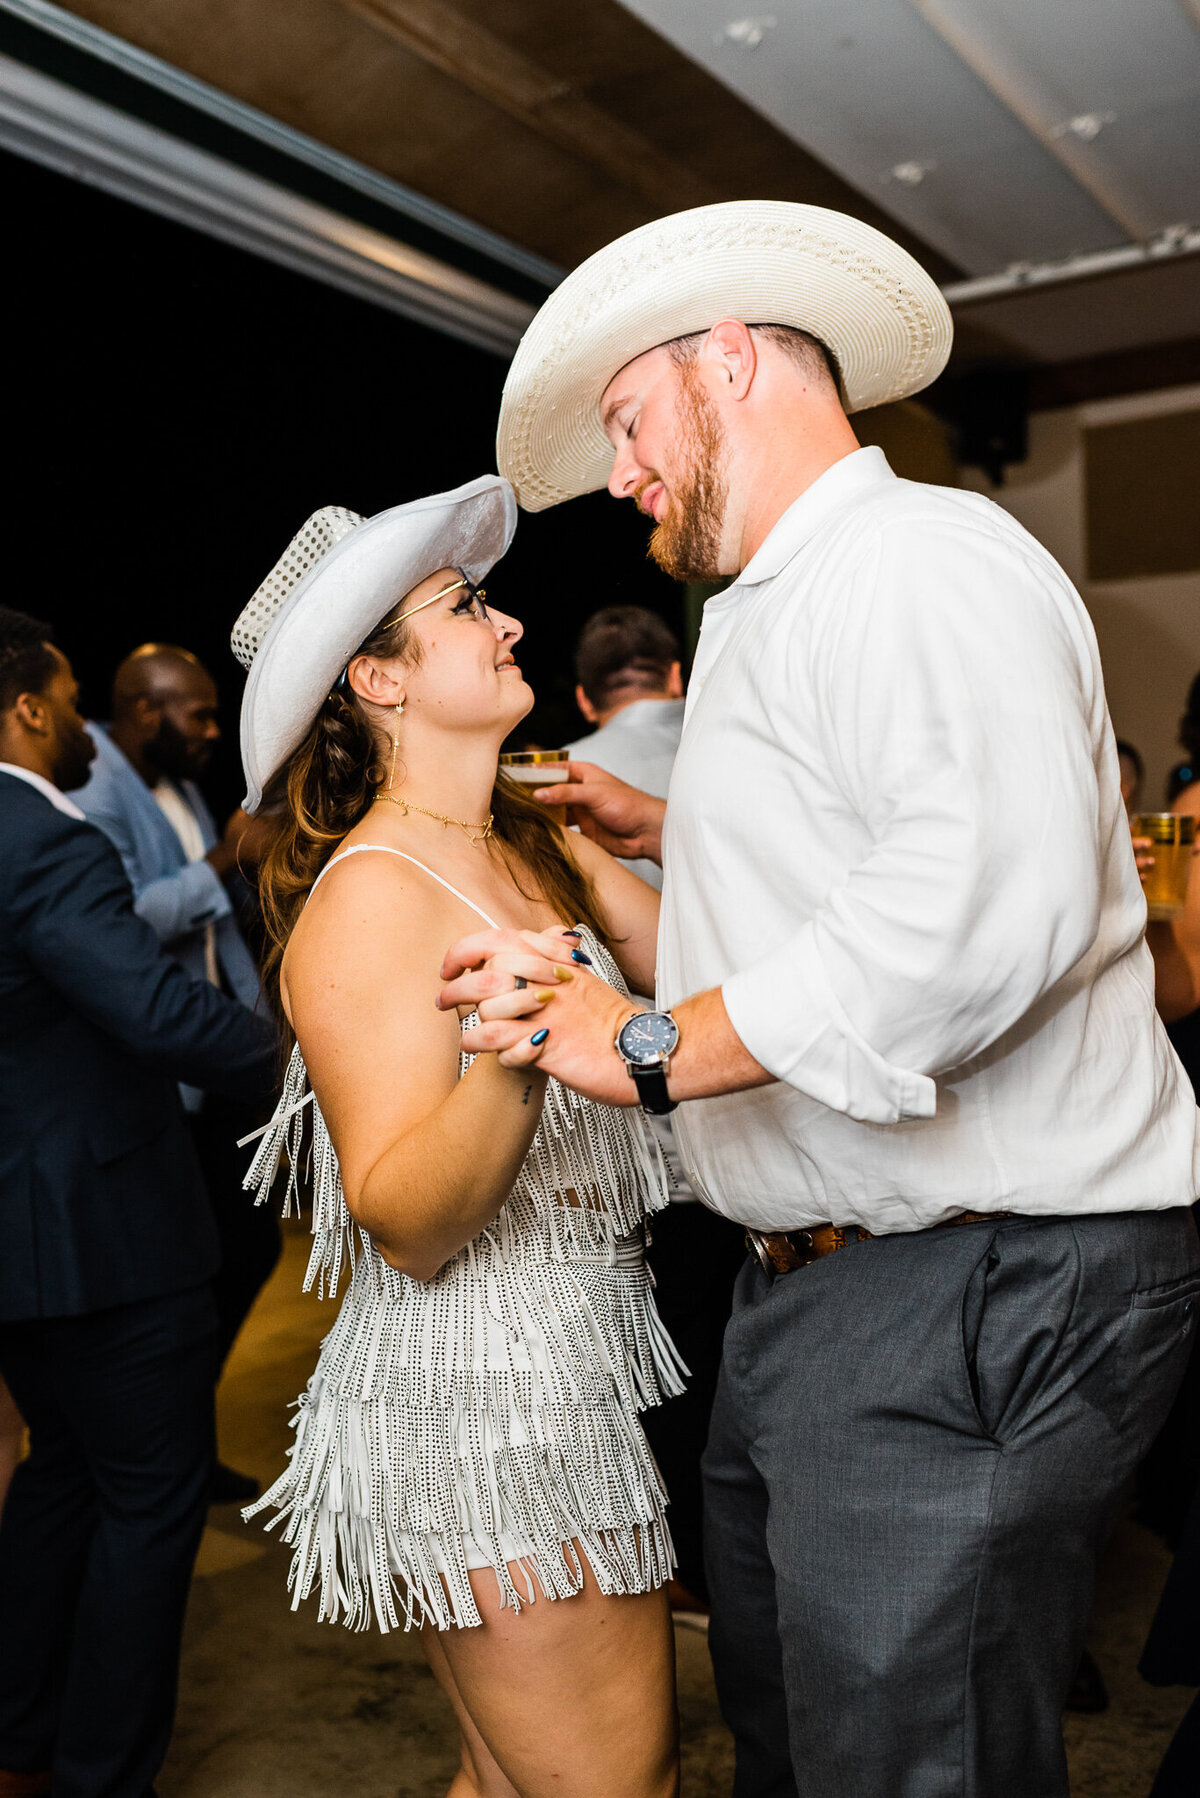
142,793
107,1248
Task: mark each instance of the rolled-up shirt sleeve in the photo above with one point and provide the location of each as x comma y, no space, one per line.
958,709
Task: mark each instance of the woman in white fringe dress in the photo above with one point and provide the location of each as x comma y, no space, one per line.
468,1459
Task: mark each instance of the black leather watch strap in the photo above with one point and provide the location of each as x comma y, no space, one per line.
652,1090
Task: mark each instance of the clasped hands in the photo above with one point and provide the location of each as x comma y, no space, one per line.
540,1006
564,1019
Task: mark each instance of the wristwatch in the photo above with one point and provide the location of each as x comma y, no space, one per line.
646,1042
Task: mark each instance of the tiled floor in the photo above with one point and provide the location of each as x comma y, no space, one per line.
275,1705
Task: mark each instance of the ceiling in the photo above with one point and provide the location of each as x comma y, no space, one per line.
558,140
1000,131
1005,138
1005,133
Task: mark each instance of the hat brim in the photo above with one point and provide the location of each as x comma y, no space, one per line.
343,597
761,261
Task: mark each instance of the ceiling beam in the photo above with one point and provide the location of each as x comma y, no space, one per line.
1024,277
154,77
486,65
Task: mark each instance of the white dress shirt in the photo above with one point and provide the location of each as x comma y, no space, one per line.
57,798
639,744
895,840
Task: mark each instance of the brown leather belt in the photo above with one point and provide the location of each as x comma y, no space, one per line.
783,1251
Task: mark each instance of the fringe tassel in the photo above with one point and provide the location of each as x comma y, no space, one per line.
377,1498
499,1398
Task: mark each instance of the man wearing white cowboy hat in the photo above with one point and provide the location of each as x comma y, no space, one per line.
904,987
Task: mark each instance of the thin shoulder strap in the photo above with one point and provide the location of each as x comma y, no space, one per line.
384,849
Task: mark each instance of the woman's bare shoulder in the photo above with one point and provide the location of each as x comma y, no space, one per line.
373,907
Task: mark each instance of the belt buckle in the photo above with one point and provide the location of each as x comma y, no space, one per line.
754,1243
794,1250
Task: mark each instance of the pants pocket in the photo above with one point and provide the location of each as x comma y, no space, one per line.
974,1302
1017,1310
1159,1339
1185,1290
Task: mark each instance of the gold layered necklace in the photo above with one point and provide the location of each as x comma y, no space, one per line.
476,833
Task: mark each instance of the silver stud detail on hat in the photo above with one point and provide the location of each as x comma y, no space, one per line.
315,538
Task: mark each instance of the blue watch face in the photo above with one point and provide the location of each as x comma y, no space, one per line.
648,1037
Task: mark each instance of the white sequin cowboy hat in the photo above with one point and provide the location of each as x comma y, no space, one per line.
337,578
766,262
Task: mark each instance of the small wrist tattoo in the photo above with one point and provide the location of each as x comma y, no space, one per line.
526,1093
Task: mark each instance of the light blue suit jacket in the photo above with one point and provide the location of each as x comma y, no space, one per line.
177,898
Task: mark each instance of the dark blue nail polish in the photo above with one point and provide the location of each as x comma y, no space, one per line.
578,955
539,1037
575,933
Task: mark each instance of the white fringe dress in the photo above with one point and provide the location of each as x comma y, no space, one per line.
488,1416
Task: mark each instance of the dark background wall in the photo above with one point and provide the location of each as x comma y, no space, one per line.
176,409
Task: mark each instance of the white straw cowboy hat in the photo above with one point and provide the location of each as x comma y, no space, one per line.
766,262
337,578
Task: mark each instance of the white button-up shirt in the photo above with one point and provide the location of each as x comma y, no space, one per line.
895,840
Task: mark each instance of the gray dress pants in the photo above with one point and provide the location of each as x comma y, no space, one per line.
917,1450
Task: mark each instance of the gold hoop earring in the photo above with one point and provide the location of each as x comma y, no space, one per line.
395,747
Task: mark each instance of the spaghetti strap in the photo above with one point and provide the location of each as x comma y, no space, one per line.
384,849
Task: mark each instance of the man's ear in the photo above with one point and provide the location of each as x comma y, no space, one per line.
675,681
32,714
730,358
586,707
148,714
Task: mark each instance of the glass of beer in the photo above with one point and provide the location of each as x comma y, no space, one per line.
536,767
1172,836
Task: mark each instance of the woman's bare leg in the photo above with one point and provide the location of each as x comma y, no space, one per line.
571,1695
478,1776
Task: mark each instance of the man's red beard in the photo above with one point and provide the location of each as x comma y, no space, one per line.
687,543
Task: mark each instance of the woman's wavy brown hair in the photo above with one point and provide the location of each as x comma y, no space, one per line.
328,784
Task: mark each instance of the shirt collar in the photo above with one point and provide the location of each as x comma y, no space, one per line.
58,800
645,711
856,472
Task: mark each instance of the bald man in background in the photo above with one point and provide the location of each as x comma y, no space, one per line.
142,793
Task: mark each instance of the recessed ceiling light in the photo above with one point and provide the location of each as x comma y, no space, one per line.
1085,125
746,34
911,173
